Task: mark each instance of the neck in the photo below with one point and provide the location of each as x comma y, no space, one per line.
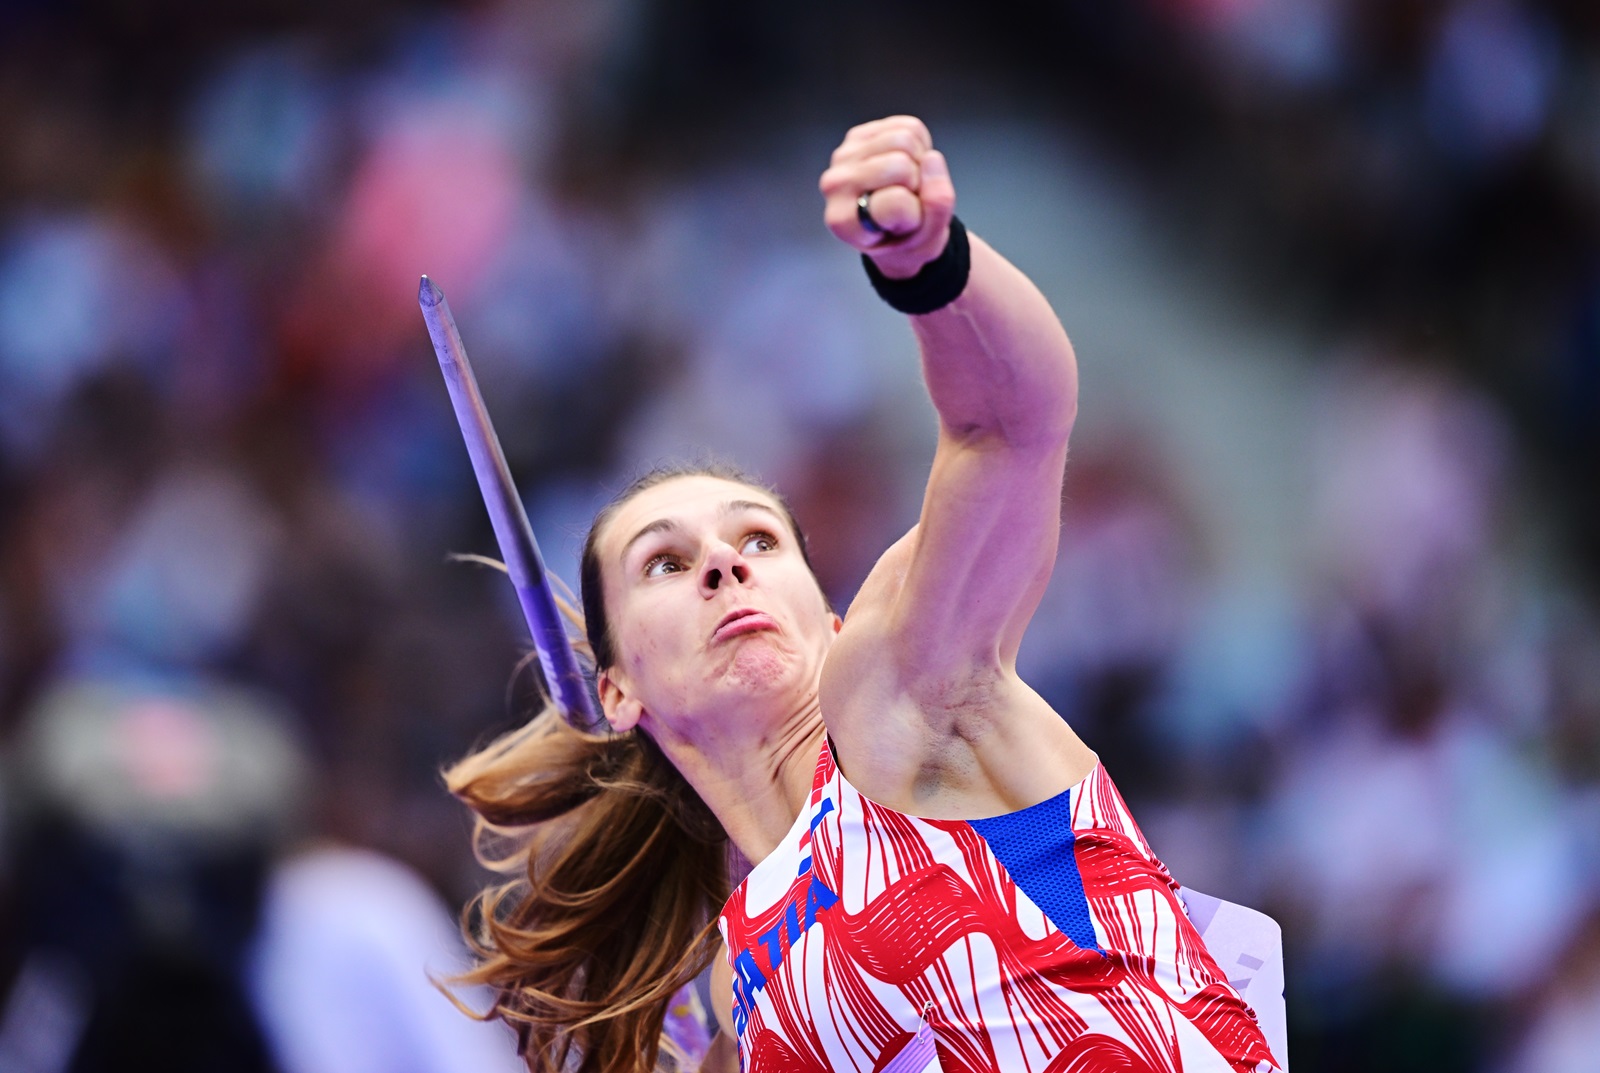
757,784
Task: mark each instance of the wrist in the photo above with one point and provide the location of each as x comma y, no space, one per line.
933,286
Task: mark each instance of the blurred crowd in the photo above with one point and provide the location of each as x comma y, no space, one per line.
234,655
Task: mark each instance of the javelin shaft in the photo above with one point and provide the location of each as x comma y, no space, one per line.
517,546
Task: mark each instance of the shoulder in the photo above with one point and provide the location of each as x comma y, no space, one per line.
955,737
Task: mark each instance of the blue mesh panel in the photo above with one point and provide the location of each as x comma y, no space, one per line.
1035,845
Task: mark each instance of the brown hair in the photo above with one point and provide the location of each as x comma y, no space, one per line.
616,869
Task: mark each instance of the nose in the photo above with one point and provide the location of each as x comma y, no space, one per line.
723,565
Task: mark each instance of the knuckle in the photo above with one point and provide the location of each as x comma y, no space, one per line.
906,173
913,127
899,162
906,141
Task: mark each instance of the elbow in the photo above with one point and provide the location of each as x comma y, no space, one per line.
1015,408
1062,416
1042,423
1042,405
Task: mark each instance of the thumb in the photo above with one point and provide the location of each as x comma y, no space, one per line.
938,193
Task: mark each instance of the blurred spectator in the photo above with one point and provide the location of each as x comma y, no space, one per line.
1489,79
158,924
343,972
146,814
78,293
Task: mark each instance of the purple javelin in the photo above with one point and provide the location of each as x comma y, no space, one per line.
518,548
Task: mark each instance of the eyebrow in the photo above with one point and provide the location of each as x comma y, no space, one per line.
672,525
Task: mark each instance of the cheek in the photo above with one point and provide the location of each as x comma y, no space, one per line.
650,645
809,608
808,595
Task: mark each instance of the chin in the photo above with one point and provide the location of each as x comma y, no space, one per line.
761,668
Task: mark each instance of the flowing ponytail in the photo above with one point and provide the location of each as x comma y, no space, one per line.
615,868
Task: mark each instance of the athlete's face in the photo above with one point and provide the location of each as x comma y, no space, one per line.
711,605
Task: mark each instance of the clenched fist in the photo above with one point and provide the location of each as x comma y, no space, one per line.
910,195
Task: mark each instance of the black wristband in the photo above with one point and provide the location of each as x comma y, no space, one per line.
939,282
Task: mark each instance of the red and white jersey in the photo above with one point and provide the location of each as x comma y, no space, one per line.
1050,940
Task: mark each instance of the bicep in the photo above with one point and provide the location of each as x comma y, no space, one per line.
1003,378
986,543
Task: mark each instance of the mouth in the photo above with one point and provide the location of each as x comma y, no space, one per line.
740,621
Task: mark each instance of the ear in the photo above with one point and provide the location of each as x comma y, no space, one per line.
621,710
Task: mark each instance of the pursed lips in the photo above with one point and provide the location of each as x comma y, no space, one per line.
740,621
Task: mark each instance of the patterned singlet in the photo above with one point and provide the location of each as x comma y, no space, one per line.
1049,940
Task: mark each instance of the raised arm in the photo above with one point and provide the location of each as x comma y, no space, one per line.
1003,379
923,679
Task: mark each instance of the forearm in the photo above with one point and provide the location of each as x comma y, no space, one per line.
997,362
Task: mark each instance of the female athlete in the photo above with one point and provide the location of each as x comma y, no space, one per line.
940,874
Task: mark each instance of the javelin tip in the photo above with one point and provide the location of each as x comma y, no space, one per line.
428,293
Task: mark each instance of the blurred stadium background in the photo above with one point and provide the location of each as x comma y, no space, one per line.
1326,602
